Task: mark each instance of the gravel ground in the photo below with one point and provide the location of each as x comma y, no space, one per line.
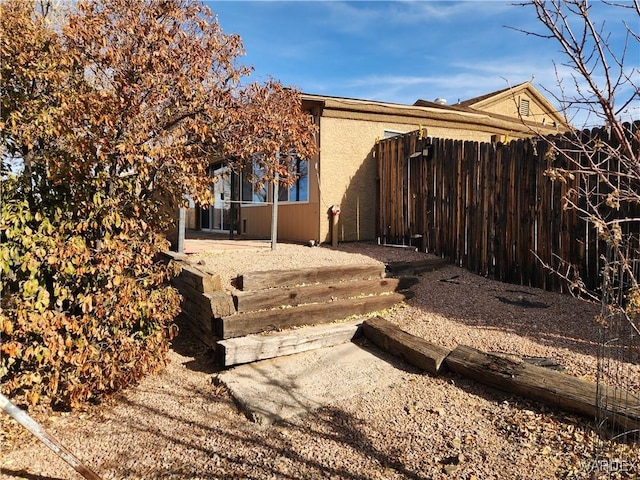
180,425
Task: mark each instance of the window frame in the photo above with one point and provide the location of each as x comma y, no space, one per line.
296,185
258,198
265,195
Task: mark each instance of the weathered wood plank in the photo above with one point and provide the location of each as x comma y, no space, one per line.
197,279
199,330
311,314
209,305
187,290
175,256
198,313
415,267
252,348
282,278
554,388
263,299
411,349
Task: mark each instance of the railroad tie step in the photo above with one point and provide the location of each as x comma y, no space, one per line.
252,348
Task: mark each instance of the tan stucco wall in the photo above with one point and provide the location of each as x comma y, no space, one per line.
509,107
348,171
348,174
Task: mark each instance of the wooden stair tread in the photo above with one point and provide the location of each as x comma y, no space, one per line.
252,348
281,278
292,296
308,314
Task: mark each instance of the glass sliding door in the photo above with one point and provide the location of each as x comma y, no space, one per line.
217,218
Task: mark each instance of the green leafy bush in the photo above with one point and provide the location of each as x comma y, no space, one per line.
80,317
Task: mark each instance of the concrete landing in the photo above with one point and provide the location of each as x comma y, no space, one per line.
283,388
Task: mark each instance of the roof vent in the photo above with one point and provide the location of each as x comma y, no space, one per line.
440,101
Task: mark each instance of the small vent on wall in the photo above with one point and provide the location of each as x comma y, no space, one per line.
524,107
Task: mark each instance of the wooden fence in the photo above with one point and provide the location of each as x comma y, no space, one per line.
488,207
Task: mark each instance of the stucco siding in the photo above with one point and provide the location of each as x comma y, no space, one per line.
348,169
510,107
348,174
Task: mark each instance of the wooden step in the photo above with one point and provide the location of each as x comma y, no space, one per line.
195,279
208,305
310,314
199,329
262,299
252,348
416,267
280,278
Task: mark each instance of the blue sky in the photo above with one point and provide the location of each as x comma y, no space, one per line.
401,51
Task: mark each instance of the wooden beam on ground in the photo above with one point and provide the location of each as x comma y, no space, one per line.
252,348
416,267
208,305
197,279
413,350
282,278
570,393
175,256
262,299
200,330
310,314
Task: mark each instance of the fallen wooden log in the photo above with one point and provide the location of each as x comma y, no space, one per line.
310,314
261,299
621,408
413,350
252,348
280,278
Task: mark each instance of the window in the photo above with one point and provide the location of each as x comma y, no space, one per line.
524,107
299,191
251,193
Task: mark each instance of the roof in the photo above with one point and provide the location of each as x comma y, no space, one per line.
422,112
498,93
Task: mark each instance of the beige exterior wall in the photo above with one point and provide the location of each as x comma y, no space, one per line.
510,107
347,170
348,174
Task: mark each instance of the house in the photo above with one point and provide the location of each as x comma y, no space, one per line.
344,172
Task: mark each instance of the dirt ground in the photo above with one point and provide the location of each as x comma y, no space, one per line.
181,424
